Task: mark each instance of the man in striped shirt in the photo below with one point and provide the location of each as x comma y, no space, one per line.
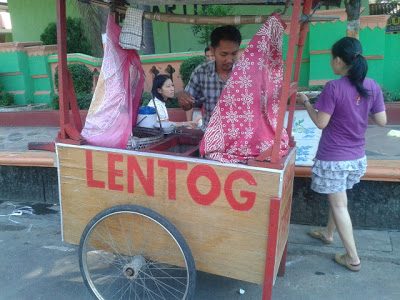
209,79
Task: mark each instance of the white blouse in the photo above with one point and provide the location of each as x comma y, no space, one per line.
161,108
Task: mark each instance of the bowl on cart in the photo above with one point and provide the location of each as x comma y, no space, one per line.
168,127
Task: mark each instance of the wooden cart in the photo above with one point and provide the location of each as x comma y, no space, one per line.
146,220
233,218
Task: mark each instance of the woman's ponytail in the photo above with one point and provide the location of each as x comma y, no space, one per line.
350,51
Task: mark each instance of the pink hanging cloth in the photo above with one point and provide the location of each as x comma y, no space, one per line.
117,96
244,121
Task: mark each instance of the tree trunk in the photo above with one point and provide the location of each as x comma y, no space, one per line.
353,17
148,33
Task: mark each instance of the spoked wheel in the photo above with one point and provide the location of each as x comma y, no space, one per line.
132,252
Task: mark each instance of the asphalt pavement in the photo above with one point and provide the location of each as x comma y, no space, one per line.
36,264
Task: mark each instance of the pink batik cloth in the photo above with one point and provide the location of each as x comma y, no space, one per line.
243,123
117,96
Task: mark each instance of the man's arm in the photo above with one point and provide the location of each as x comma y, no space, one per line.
185,100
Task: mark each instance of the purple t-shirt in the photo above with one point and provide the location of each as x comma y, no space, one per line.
344,136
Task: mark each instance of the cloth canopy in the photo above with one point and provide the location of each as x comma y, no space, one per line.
244,120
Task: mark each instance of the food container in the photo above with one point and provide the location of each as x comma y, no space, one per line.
147,117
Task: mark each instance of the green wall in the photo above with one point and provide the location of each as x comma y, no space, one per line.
29,18
374,41
391,74
28,66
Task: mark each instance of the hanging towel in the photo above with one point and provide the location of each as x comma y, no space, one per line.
117,96
133,30
243,123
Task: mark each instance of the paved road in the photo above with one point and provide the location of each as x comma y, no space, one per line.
36,264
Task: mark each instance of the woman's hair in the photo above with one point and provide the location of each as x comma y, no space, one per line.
158,82
349,50
226,33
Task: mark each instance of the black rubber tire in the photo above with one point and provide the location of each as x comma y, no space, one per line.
108,258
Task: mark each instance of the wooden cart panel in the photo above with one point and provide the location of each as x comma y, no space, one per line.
221,210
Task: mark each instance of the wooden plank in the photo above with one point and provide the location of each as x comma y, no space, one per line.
377,170
188,2
293,39
214,20
209,203
328,51
284,212
62,65
28,159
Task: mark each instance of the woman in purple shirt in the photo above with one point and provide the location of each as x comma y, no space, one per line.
342,114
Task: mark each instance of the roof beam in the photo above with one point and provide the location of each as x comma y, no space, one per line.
187,2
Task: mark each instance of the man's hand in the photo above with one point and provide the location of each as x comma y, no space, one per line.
185,100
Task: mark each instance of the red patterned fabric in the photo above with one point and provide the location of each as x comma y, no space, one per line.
244,120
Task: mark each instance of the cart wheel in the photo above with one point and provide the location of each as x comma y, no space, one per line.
132,252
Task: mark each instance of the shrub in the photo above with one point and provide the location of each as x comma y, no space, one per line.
76,40
203,32
83,99
315,88
6,99
146,97
82,78
188,66
388,96
173,103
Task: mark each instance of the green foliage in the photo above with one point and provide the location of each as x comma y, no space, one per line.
388,96
396,95
203,32
55,104
315,88
76,40
146,97
173,103
83,99
188,66
6,99
82,78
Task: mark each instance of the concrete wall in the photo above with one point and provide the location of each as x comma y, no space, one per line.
372,204
28,184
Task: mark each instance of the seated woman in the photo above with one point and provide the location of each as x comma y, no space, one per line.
162,91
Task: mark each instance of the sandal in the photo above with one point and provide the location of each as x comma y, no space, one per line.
342,260
317,233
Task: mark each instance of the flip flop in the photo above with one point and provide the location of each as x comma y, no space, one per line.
341,260
317,233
